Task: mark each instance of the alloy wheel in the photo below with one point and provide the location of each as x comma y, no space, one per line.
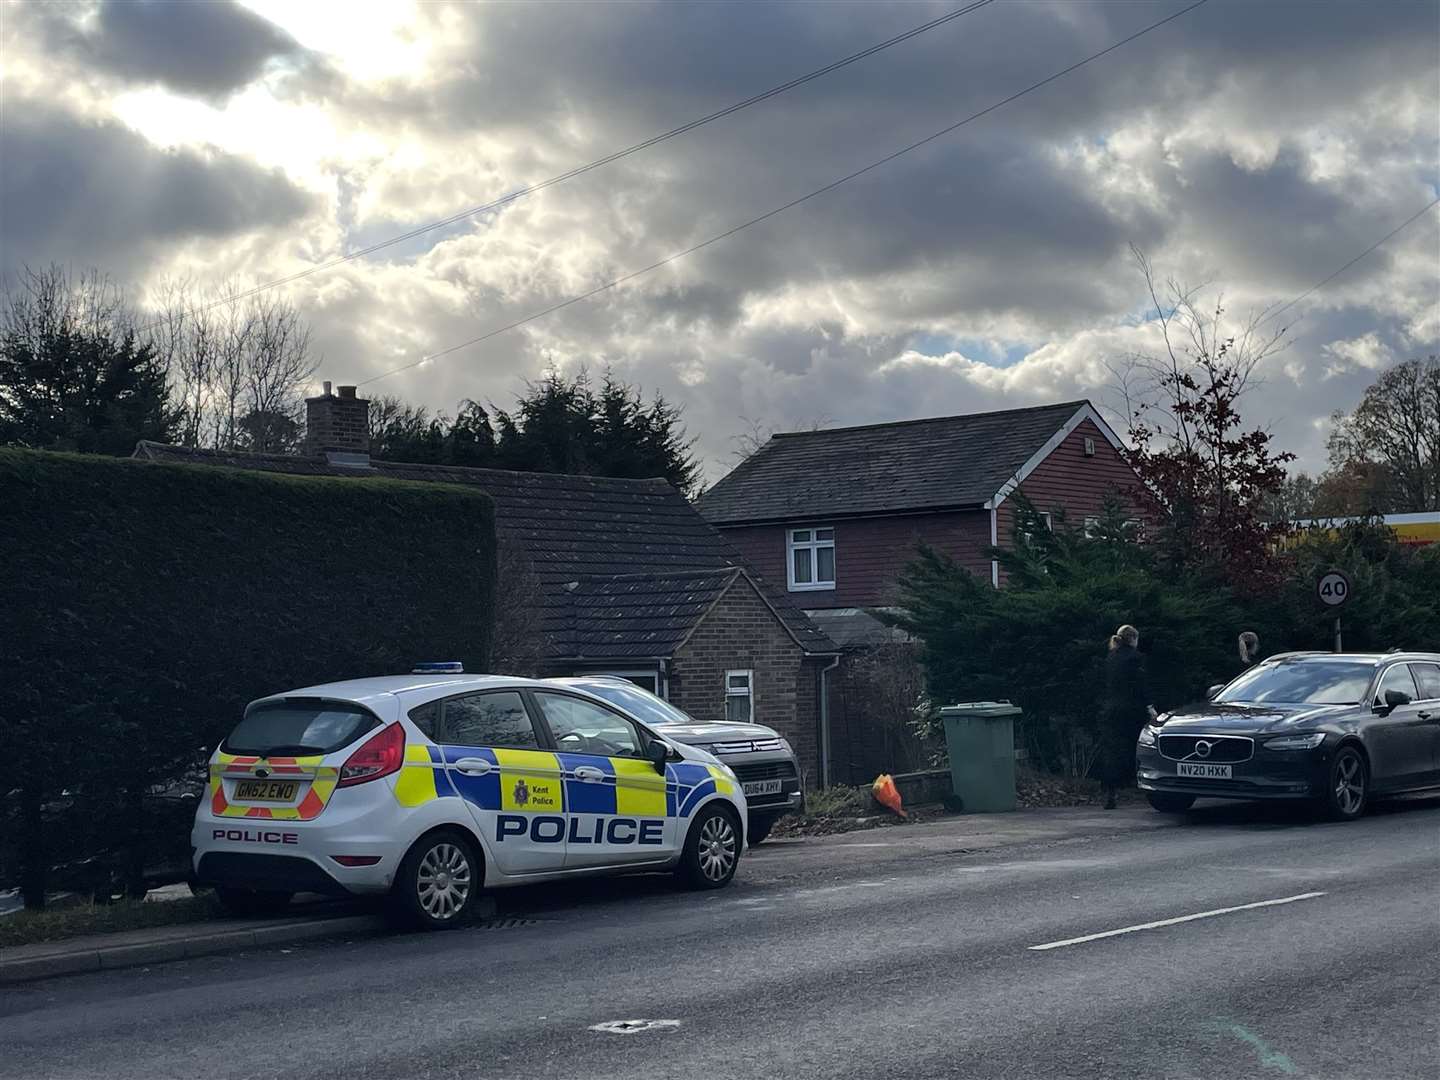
1349,784
717,847
442,882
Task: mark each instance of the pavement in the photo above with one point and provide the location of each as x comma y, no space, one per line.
1238,941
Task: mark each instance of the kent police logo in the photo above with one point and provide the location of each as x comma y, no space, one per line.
522,792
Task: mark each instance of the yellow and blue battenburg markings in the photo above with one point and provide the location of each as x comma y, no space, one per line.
419,780
545,782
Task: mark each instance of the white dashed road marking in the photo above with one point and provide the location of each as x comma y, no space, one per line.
1173,922
634,1027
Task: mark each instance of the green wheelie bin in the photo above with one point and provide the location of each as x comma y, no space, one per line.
980,737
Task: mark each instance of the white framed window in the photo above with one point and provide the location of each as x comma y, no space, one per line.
1046,520
810,559
740,696
1092,526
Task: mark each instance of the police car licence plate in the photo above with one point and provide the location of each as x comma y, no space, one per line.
762,787
266,790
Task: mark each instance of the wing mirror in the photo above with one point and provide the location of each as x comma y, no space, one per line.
1394,699
1214,691
657,753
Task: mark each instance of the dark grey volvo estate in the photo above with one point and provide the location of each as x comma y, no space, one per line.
1335,728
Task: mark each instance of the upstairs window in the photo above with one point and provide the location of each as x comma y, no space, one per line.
810,564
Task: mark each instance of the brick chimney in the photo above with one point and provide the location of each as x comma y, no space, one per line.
338,426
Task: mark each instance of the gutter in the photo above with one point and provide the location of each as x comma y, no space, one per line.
846,515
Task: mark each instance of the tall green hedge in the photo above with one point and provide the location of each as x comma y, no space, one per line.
142,605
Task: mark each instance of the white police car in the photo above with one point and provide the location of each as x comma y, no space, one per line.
432,786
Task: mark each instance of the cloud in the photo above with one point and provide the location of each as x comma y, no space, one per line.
96,193
209,49
1258,147
1365,353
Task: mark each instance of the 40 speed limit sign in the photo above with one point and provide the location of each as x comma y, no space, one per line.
1333,588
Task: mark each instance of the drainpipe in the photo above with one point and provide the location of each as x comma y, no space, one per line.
825,721
994,542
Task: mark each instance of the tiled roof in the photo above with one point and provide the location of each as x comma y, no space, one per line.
571,529
639,615
950,461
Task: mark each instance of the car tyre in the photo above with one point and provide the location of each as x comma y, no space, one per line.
438,883
1348,789
759,829
251,902
712,849
1168,803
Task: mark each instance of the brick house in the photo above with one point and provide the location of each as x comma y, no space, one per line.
835,515
605,575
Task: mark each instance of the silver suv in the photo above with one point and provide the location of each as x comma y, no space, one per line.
765,763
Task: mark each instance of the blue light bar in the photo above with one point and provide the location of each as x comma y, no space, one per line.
444,667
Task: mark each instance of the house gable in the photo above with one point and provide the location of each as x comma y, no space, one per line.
1069,478
742,632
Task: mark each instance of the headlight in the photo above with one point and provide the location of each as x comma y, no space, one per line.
1296,742
1147,736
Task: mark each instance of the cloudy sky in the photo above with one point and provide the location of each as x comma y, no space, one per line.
1257,146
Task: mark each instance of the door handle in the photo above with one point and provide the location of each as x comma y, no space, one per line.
473,766
1425,715
589,774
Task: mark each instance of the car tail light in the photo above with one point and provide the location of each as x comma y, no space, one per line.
381,755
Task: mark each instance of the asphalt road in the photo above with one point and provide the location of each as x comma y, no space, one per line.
921,967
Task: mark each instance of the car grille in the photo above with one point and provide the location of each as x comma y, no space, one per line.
1218,749
743,746
765,770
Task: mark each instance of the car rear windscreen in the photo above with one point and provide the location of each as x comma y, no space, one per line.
299,726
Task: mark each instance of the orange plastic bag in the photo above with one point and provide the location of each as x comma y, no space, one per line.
887,794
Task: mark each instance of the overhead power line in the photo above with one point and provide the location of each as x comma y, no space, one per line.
580,170
787,206
1378,244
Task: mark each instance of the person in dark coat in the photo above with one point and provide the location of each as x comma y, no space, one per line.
1128,708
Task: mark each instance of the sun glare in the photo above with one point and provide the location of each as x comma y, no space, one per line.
366,39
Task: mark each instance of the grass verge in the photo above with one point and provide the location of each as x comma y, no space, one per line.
841,809
1035,789
76,920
